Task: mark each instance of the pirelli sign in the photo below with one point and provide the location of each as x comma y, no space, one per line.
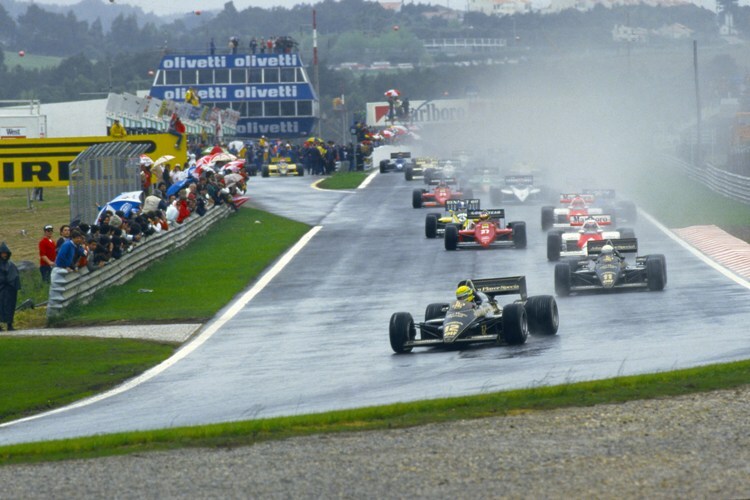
26,163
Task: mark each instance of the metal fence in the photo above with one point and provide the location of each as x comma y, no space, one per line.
731,185
99,174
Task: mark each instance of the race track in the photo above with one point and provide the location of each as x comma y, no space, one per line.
316,338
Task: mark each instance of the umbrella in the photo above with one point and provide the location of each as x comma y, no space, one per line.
392,93
163,159
175,188
314,139
233,179
222,157
399,129
203,161
125,202
235,166
387,133
146,160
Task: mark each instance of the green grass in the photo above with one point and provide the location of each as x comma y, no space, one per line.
668,194
38,374
343,180
393,416
194,283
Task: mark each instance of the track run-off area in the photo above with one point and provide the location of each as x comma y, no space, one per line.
312,334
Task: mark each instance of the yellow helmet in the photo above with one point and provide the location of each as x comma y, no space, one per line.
484,215
464,293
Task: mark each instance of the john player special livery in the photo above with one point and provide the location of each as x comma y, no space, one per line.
475,316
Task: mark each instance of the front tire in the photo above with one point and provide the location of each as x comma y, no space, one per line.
519,234
543,315
562,279
626,232
515,324
401,330
451,237
430,225
409,174
655,274
264,172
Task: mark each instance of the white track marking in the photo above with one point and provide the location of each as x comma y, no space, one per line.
368,179
206,334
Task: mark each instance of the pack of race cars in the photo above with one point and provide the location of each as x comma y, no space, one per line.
590,241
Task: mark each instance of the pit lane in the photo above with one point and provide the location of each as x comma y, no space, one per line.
316,339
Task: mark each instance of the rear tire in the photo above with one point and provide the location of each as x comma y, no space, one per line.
655,273
515,324
264,172
554,245
548,217
430,225
451,237
626,232
401,330
416,198
300,172
519,234
562,279
434,311
543,316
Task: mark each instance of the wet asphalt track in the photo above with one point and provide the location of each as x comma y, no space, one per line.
316,339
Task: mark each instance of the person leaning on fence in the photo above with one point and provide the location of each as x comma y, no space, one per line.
47,254
70,252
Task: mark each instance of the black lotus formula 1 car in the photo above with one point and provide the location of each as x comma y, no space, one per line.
606,268
460,322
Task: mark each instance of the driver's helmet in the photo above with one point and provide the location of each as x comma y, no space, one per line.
577,203
461,217
484,215
608,249
441,183
464,293
590,226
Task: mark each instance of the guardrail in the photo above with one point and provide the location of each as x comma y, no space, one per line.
67,287
734,186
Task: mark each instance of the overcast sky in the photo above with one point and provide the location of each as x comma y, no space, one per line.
162,7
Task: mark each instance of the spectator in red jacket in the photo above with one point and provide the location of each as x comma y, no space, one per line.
47,253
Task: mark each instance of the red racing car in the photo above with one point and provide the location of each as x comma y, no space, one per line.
438,196
489,230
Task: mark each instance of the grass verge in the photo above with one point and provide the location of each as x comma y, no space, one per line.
39,374
616,390
194,283
343,180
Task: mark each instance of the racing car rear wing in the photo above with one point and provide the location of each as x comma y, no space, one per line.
629,245
568,197
601,219
519,180
604,194
281,159
502,286
495,213
467,204
403,154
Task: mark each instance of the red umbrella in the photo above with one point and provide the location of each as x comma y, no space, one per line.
392,93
